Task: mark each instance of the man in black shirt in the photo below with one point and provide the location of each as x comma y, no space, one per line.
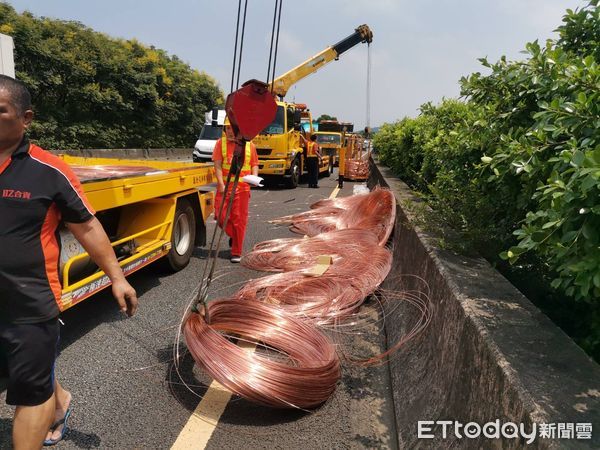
37,192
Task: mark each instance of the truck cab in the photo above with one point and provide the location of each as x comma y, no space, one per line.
211,132
280,147
330,143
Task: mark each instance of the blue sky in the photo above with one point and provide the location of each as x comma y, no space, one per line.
420,50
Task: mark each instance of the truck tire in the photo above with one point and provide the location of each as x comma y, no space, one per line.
182,237
329,167
294,177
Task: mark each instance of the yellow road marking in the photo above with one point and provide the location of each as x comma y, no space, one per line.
205,418
335,192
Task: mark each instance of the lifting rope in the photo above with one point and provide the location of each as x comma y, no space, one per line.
276,42
272,36
241,45
237,29
236,163
368,119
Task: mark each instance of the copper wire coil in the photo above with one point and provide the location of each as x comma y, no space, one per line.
284,255
336,202
305,381
105,171
375,211
353,230
326,299
323,300
357,169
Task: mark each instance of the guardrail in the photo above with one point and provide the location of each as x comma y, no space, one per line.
489,354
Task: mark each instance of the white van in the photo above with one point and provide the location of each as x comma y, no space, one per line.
211,131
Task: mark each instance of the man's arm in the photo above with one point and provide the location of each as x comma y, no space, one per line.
219,175
253,160
218,161
94,240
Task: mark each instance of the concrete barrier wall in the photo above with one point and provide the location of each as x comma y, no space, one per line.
171,154
488,353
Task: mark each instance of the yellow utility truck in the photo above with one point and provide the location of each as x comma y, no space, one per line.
330,143
151,210
279,146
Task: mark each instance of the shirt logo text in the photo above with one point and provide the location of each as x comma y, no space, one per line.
11,193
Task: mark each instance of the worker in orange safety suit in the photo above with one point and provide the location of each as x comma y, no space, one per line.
313,158
238,218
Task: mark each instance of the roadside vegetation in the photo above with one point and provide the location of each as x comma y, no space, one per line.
93,91
514,168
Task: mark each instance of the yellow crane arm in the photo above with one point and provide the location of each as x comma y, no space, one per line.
282,84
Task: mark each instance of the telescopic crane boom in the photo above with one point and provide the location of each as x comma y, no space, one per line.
282,84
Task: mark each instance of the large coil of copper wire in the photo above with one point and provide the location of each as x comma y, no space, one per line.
302,375
105,171
284,255
356,169
359,266
375,211
329,298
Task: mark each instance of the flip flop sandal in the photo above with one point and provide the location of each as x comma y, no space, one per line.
64,421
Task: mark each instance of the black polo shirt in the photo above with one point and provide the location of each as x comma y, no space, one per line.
37,191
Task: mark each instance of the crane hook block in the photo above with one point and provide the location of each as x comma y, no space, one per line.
250,109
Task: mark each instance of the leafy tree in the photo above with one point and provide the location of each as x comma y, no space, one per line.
515,167
93,91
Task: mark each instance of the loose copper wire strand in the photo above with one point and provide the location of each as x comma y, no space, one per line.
305,383
422,303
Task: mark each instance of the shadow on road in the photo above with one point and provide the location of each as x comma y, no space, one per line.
245,412
79,439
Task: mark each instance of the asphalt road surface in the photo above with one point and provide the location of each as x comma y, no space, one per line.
127,395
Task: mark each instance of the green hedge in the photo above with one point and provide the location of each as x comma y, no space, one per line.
514,167
93,91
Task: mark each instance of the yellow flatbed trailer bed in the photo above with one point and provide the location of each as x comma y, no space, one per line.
150,210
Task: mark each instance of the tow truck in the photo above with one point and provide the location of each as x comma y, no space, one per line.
279,146
151,210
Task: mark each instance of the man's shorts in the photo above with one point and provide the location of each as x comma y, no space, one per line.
30,354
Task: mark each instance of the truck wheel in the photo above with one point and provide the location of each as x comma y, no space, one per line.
294,178
182,237
329,168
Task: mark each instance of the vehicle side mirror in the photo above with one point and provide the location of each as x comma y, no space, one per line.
297,127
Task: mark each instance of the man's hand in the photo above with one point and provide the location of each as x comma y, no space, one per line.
95,241
220,186
125,296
